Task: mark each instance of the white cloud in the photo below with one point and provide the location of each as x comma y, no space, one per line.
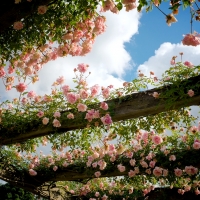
160,62
108,59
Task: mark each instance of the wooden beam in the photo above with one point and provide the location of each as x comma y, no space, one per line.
136,105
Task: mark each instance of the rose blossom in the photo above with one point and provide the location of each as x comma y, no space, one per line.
70,116
45,120
42,10
104,105
157,139
190,93
18,25
152,164
131,173
55,168
60,80
106,119
97,174
81,107
82,67
172,158
155,95
83,94
191,40
56,123
190,170
143,164
95,90
21,87
40,114
121,168
178,172
165,172
196,145
132,162
106,92
31,94
157,171
188,64
2,72
32,172
65,89
72,97
57,114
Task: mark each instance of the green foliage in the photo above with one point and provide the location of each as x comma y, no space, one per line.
9,192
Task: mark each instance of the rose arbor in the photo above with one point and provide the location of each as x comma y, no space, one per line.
107,142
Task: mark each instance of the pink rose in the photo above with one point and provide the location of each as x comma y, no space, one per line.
21,87
106,92
191,40
82,67
42,10
165,172
155,95
28,70
24,100
157,171
65,164
45,120
190,170
190,93
2,72
94,165
40,114
172,158
57,114
95,90
70,116
143,164
97,174
193,129
121,168
104,105
32,172
181,191
72,97
157,139
197,192
131,173
31,94
196,145
106,119
102,164
188,64
56,123
65,89
178,172
55,168
60,80
132,162
81,107
152,164
18,25
83,94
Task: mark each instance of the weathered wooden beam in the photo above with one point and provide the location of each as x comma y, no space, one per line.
136,105
74,172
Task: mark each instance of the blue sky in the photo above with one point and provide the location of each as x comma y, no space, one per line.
153,31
